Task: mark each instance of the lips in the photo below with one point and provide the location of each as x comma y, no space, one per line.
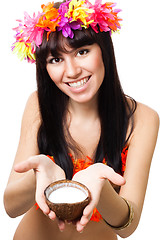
79,83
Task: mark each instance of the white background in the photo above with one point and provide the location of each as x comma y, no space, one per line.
137,53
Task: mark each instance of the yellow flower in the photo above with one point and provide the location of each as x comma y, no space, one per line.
23,51
75,4
77,11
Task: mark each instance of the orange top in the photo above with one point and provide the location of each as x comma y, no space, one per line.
80,164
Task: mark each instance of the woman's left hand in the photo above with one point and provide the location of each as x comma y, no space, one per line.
94,178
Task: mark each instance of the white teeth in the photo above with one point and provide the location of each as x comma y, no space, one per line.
79,83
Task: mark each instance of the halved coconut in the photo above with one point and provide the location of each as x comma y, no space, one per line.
67,199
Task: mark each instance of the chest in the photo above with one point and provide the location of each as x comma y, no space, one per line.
86,135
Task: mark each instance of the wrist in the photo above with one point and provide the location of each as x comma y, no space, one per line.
19,195
129,218
112,207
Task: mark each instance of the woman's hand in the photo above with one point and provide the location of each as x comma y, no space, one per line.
94,178
46,172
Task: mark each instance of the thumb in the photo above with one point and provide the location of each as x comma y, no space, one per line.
112,176
27,165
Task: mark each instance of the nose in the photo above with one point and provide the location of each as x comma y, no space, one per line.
72,69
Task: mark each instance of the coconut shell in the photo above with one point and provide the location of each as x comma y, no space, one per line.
67,211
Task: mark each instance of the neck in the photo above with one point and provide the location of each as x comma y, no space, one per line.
84,110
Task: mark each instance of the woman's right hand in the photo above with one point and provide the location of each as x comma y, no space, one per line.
46,172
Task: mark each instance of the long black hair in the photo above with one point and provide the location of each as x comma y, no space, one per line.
115,112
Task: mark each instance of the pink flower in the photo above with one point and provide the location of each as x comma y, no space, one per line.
104,16
28,31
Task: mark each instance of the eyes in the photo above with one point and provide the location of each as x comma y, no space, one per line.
56,60
82,52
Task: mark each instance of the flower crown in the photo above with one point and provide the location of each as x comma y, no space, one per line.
71,15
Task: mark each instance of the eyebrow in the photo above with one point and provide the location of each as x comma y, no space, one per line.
58,53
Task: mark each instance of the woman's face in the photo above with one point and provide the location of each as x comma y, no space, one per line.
79,73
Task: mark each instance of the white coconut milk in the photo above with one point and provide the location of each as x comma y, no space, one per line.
67,195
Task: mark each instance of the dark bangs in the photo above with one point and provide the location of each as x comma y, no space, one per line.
57,42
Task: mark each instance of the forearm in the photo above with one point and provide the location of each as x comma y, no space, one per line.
19,195
115,210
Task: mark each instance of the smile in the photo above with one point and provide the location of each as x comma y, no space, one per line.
79,83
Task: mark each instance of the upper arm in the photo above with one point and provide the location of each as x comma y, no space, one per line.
28,137
140,152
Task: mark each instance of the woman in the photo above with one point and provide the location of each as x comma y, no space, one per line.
79,125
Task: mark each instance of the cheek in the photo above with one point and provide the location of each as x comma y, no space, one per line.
96,60
98,65
99,59
53,73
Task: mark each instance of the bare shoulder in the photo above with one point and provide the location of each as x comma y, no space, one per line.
145,132
146,117
28,135
31,114
33,98
32,103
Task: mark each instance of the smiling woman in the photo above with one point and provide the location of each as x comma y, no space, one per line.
79,72
102,89
79,125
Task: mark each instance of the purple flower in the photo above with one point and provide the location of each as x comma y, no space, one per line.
63,8
66,24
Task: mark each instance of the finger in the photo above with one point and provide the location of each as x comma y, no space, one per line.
87,212
61,224
27,165
112,176
40,199
52,215
85,219
79,227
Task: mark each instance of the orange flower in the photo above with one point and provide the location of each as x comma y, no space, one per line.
51,14
37,207
96,216
48,7
123,158
50,18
